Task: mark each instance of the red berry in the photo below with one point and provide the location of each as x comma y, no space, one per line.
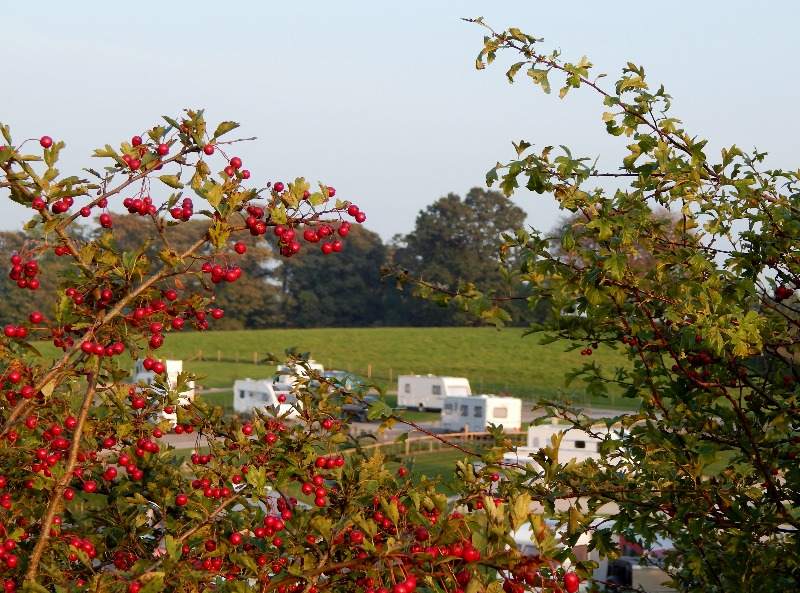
208,149
278,186
352,210
36,317
181,500
46,141
90,486
136,141
163,149
571,582
236,162
235,538
240,248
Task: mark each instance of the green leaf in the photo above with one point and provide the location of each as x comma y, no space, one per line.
224,128
173,547
171,180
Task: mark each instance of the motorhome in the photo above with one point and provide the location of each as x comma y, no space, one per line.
251,394
476,412
427,392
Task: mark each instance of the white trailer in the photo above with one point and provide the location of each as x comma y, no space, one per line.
252,394
477,412
575,444
287,374
427,392
173,369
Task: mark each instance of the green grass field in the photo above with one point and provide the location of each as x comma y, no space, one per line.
494,361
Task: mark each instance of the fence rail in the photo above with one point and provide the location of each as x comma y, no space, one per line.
430,444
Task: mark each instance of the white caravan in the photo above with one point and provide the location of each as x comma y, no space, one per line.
173,369
287,373
575,444
427,392
477,412
252,394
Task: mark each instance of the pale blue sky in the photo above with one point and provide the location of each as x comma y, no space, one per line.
379,99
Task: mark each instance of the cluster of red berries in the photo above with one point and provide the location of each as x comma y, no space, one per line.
407,585
234,165
62,205
179,428
330,462
97,349
198,459
630,340
151,364
141,206
125,461
24,273
356,213
316,487
218,273
15,331
783,292
83,545
586,352
254,222
124,559
184,211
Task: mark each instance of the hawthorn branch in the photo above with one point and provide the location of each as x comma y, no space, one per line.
57,495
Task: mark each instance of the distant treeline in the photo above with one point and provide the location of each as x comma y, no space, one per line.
454,241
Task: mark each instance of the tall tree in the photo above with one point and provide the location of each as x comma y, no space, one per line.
341,289
455,241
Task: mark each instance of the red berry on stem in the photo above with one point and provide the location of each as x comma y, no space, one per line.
46,141
571,582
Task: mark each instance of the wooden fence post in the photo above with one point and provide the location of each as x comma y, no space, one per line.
390,375
255,357
408,447
369,371
200,355
219,355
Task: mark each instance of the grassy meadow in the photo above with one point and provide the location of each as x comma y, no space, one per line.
494,361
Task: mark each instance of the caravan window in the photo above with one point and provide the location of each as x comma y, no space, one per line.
241,393
500,412
448,408
580,444
478,413
465,410
436,389
407,387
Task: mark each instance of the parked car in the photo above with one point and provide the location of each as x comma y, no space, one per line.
358,410
347,379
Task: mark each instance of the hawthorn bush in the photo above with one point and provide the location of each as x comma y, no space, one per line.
689,264
92,498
